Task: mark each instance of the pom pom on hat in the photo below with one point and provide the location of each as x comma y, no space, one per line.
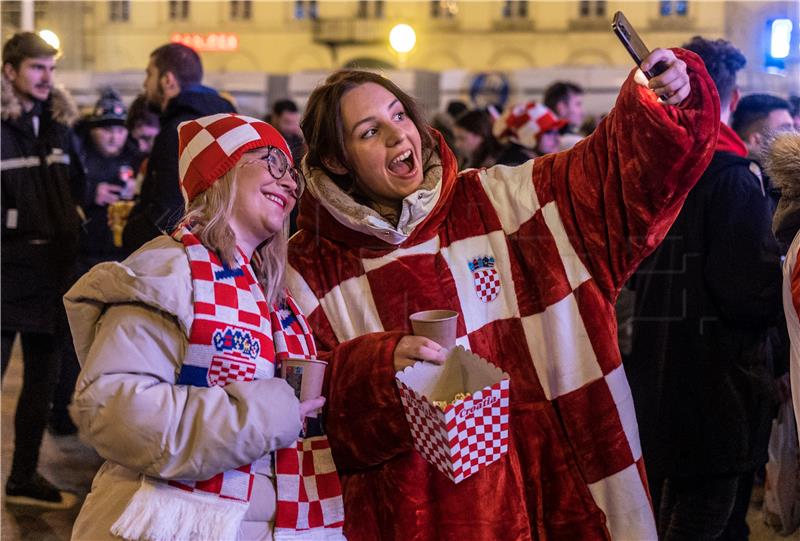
108,111
209,146
523,123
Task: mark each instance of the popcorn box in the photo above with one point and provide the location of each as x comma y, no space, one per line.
469,434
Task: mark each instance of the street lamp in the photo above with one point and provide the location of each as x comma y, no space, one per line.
51,38
402,39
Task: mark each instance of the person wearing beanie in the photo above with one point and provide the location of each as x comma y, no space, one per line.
42,186
180,345
110,162
527,130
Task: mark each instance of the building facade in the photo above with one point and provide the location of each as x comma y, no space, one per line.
525,42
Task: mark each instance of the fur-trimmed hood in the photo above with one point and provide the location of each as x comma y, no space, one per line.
62,106
783,166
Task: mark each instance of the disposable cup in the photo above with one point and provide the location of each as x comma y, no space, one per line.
305,376
438,325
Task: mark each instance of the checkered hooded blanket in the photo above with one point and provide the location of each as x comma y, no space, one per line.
532,258
236,336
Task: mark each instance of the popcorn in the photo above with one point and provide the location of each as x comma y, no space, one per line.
442,404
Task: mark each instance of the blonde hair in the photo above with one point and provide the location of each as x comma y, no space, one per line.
209,214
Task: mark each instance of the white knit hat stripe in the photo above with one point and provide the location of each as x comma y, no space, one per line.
234,139
208,120
199,142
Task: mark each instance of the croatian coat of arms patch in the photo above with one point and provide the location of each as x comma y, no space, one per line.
485,277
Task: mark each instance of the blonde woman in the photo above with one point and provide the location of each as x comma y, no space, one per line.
179,345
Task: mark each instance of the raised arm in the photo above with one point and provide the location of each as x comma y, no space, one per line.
618,191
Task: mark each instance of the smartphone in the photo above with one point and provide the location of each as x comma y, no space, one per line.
634,44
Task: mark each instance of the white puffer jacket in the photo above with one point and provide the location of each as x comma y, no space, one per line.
130,323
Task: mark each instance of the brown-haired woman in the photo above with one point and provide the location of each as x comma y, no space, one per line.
389,227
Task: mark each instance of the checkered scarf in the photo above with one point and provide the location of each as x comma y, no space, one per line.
227,343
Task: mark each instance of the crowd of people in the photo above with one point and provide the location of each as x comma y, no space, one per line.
162,346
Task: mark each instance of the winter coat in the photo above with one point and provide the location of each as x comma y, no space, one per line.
565,231
161,202
130,323
699,369
42,186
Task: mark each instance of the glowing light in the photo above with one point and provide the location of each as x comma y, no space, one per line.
402,38
781,38
207,42
51,38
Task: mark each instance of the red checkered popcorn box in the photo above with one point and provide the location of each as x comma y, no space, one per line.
469,434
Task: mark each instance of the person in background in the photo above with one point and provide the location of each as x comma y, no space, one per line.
527,130
700,370
757,118
532,258
110,160
42,185
565,99
475,142
178,389
143,124
285,117
173,85
443,120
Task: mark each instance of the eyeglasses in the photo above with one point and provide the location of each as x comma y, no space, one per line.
276,162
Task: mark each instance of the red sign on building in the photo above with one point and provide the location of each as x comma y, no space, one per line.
217,41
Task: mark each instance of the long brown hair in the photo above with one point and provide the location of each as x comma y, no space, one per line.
209,215
323,126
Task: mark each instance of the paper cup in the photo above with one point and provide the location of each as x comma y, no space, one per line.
305,376
438,325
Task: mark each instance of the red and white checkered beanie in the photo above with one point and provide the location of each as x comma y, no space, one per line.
209,146
523,123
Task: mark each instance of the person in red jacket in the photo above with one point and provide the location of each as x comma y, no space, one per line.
389,227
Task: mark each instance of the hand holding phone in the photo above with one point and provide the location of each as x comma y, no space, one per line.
634,44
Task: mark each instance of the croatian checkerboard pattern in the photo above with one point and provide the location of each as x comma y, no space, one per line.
466,436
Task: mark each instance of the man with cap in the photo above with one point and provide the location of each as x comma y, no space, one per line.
528,130
42,182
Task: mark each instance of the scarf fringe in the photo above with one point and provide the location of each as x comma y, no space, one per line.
163,513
